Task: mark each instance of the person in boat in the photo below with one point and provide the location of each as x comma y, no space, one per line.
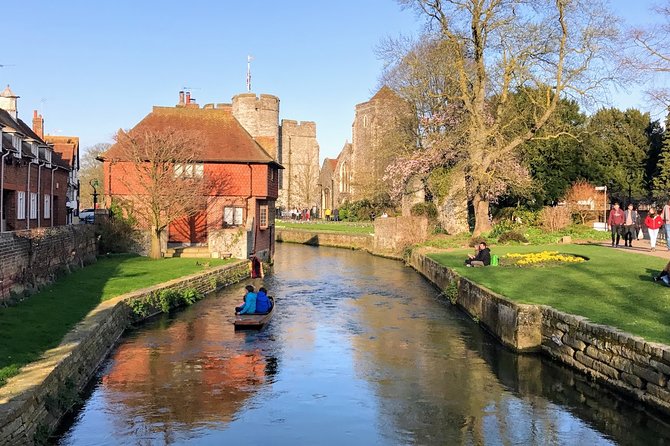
481,258
263,303
249,302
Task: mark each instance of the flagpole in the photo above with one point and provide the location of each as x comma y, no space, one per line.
249,59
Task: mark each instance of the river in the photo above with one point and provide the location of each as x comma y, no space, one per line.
361,351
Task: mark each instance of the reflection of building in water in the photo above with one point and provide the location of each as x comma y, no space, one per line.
176,385
428,373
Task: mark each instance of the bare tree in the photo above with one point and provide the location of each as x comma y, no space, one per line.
650,53
581,199
163,181
496,51
90,170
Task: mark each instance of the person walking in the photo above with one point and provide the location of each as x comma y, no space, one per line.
653,222
615,222
665,215
631,225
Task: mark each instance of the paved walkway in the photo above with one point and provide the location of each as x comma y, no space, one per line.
643,247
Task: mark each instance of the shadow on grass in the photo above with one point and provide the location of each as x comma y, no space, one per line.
40,322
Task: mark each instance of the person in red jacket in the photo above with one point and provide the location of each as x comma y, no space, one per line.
653,222
615,222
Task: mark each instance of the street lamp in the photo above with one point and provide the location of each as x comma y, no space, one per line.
94,184
604,190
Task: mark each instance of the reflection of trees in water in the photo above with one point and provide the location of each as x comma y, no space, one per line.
191,374
440,382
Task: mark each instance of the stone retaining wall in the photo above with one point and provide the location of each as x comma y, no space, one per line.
335,239
625,362
33,402
32,258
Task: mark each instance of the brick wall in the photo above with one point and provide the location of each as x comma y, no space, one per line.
33,258
34,401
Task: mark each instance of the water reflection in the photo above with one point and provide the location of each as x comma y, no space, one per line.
360,351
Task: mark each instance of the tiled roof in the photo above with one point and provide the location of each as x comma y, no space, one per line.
6,120
223,138
66,146
385,93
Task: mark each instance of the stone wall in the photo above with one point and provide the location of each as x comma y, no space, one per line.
627,363
33,258
334,239
32,403
394,234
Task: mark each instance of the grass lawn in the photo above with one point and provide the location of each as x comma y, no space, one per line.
614,287
332,226
40,322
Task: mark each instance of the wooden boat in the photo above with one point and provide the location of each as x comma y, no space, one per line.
254,321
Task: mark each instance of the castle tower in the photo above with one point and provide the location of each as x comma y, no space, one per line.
299,154
260,117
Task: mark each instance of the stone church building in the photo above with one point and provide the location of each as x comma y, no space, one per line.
359,169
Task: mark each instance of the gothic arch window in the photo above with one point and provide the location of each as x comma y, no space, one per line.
365,121
344,177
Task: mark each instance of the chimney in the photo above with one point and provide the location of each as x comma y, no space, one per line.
181,99
38,124
188,97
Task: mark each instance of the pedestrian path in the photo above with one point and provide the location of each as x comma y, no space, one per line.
643,247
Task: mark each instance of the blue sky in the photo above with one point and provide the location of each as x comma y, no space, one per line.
93,67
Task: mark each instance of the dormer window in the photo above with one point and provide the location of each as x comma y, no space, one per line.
35,150
16,142
46,154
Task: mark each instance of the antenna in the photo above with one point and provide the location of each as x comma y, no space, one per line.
249,59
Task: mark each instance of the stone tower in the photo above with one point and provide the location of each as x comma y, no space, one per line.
260,117
373,122
299,154
8,102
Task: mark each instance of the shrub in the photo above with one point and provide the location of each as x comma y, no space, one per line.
475,241
116,235
502,227
427,209
555,218
512,236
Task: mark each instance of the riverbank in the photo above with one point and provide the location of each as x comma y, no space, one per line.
365,228
32,403
609,287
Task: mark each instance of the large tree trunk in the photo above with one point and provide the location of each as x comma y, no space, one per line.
155,252
482,223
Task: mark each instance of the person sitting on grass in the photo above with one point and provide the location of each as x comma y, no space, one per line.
249,306
664,276
263,304
482,256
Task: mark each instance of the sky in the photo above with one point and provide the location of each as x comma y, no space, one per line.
93,67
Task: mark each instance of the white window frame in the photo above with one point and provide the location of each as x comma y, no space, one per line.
233,216
33,205
47,206
191,170
20,205
263,216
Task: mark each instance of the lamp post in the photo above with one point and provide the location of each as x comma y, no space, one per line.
604,190
94,184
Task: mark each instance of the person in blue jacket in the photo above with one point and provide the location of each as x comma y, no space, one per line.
249,301
263,303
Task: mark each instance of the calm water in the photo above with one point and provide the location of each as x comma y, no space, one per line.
360,352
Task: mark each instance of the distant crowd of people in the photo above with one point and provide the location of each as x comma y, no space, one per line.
627,224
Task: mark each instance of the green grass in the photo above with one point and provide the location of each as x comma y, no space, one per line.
339,226
614,287
40,322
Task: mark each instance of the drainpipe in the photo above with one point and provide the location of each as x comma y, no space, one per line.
2,189
28,197
51,198
39,189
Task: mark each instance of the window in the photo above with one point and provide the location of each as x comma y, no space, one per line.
20,205
365,121
263,217
196,170
47,206
33,205
233,216
16,142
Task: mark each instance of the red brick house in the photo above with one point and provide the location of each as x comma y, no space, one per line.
33,179
239,219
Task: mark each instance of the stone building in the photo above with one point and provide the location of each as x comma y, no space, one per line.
359,169
292,144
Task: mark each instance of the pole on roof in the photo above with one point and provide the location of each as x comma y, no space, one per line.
249,59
